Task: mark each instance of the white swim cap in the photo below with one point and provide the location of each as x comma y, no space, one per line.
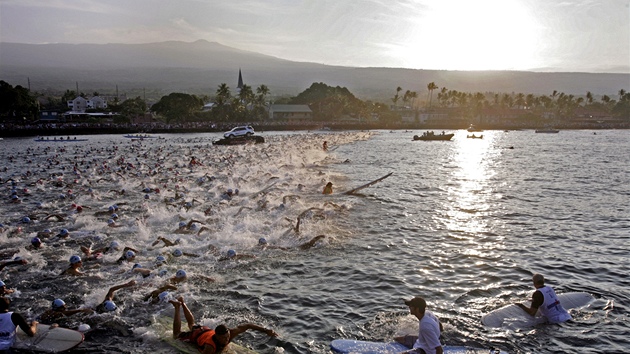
57,303
231,253
177,252
75,259
109,305
84,327
180,274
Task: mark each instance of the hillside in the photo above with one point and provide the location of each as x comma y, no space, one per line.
199,67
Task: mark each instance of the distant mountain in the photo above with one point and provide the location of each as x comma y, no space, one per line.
200,67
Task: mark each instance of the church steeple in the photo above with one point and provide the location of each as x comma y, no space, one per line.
240,79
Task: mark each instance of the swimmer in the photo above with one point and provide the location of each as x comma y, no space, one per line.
58,310
129,255
158,294
187,228
108,304
10,321
182,276
16,261
208,341
75,263
328,188
231,255
4,290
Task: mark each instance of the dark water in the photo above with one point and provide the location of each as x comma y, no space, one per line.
463,223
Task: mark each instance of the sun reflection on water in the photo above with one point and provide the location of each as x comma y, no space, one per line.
468,184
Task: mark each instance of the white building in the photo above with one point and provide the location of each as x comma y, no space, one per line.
81,104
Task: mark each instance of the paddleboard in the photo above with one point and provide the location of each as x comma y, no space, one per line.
48,340
349,346
513,316
352,191
164,326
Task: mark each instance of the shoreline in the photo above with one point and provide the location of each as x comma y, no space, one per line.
69,129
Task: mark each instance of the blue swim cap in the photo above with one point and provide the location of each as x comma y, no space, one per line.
262,241
36,240
146,196
47,231
63,232
164,296
26,220
180,274
2,283
231,253
114,216
182,224
75,259
159,260
111,208
115,245
109,305
57,303
130,254
137,265
110,221
177,252
162,272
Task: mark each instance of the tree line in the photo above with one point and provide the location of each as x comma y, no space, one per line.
327,103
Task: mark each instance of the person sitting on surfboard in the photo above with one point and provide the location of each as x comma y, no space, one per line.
545,300
328,189
9,321
428,339
208,341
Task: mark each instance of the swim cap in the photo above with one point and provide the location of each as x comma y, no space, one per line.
109,305
35,241
188,204
194,227
177,252
26,220
114,216
46,231
62,196
115,206
79,208
110,222
2,283
164,296
236,191
180,274
15,197
262,241
182,224
111,208
18,258
115,245
63,232
231,253
230,191
146,196
162,272
159,260
130,254
137,265
84,327
75,259
57,303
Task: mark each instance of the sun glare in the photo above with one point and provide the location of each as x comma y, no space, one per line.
473,35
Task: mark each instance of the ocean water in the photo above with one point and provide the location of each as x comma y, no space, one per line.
463,223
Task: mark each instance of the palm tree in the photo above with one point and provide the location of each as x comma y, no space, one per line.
223,95
431,86
396,97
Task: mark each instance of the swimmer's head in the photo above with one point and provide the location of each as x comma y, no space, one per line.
162,272
231,253
75,259
35,241
137,265
26,220
159,260
177,252
262,241
164,296
182,224
63,232
181,274
57,304
111,222
130,254
109,306
114,245
114,216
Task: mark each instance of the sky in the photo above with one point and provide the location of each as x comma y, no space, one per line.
530,35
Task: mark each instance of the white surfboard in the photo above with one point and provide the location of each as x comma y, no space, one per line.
349,346
513,316
164,326
48,339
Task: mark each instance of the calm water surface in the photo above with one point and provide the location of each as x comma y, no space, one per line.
463,223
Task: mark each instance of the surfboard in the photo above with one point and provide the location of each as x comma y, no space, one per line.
352,191
164,326
349,346
49,340
513,316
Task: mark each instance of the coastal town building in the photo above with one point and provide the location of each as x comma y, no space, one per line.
290,112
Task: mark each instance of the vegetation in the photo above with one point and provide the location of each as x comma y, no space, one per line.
330,104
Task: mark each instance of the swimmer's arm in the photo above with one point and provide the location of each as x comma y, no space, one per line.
537,300
247,326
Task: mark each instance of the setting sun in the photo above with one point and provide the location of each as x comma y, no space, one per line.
490,35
